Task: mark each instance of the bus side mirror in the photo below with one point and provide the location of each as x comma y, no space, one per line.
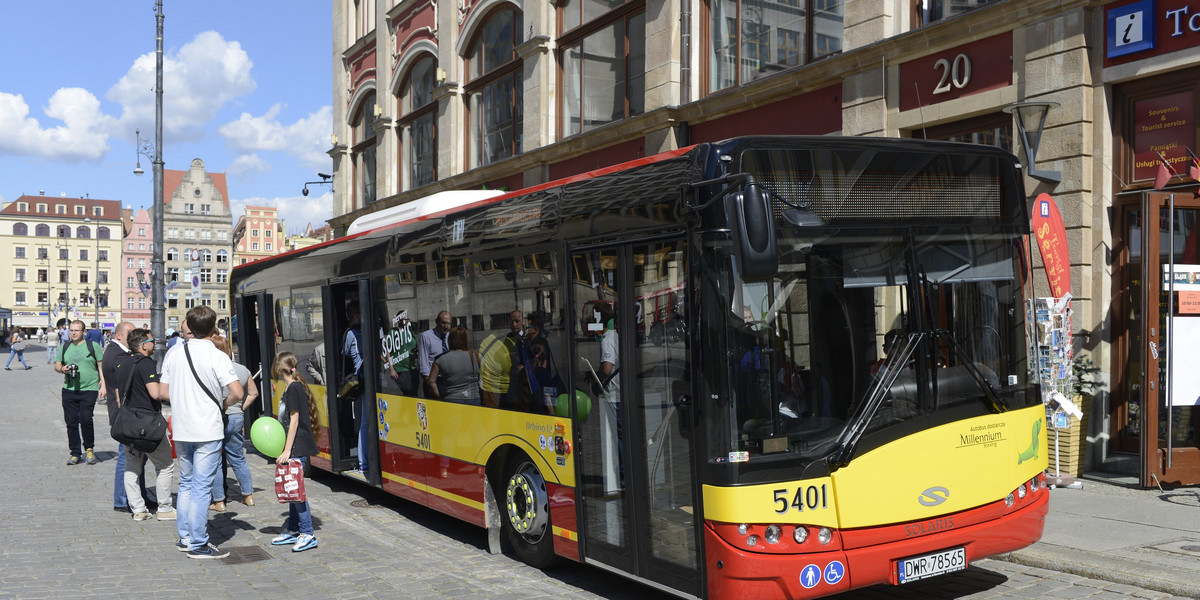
758,256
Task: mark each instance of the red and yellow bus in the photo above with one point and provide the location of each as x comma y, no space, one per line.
771,367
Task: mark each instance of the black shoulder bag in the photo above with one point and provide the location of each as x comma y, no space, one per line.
140,428
220,407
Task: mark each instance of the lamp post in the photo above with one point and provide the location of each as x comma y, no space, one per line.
158,311
49,301
66,280
1031,122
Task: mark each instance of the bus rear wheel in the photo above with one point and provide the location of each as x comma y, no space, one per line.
527,513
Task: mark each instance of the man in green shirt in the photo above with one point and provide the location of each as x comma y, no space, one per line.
83,384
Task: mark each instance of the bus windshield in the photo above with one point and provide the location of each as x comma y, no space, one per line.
865,332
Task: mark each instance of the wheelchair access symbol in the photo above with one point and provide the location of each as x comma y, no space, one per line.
834,572
810,576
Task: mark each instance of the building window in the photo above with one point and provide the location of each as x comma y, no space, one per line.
20,229
129,303
363,153
64,231
740,35
43,297
42,207
129,263
205,275
189,208
141,232
173,232
83,277
129,282
222,275
141,247
130,246
254,246
83,232
988,130
494,91
206,255
60,209
267,246
222,256
42,230
43,253
19,275
102,255
20,298
253,233
141,263
604,72
141,304
206,234
43,275
20,252
221,302
102,232
83,254
62,276
205,209
932,11
172,274
172,253
64,254
418,124
222,236
102,277
189,234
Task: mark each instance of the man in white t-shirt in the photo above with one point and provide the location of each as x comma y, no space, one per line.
196,424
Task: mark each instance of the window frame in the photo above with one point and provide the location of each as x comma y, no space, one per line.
575,37
513,68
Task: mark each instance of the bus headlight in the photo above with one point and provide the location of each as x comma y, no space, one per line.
743,529
825,535
1021,492
773,533
800,534
1009,500
1034,484
752,541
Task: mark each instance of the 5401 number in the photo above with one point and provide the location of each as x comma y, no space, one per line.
809,497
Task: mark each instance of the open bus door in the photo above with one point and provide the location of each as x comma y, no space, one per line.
352,410
255,331
637,475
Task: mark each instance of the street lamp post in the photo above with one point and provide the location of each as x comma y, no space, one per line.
158,311
66,280
49,300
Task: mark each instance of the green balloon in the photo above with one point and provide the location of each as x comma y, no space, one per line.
268,436
583,405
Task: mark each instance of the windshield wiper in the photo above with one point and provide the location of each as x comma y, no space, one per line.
898,356
997,404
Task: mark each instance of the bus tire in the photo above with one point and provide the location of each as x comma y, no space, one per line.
526,512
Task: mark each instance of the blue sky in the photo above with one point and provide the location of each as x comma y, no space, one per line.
246,89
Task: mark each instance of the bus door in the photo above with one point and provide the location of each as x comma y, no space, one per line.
351,375
631,358
255,320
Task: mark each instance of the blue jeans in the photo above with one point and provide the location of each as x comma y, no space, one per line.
198,463
51,351
364,440
235,444
120,500
19,354
299,517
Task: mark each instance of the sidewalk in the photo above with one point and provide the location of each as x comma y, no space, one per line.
1114,531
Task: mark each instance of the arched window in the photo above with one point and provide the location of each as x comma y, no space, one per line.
494,90
64,231
20,229
207,255
172,253
83,232
222,256
102,232
363,152
417,125
42,230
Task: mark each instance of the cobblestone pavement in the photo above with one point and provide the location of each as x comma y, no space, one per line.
61,538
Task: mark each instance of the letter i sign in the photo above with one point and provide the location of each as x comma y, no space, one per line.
1130,28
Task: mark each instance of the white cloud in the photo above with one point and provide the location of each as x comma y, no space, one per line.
82,136
307,139
203,76
246,166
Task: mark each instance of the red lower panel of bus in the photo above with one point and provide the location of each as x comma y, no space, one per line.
455,488
757,575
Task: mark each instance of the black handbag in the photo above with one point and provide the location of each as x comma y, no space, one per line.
140,428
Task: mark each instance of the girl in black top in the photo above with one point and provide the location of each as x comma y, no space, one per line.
298,413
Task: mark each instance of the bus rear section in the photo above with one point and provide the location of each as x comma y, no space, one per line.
869,410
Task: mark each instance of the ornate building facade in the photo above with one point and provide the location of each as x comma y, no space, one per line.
197,241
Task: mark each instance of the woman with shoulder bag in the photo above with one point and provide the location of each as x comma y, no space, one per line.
16,348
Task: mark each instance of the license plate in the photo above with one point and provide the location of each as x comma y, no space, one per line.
929,565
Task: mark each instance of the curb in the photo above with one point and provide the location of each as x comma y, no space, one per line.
1096,566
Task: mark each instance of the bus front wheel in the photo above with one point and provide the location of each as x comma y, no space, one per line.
527,513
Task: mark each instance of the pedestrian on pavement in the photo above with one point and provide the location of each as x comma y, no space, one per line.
16,348
140,387
192,376
83,384
298,413
235,434
115,353
52,339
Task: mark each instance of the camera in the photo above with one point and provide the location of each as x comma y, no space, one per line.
71,370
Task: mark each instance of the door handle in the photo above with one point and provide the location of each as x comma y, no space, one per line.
1154,350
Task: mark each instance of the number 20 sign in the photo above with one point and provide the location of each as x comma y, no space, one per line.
957,72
